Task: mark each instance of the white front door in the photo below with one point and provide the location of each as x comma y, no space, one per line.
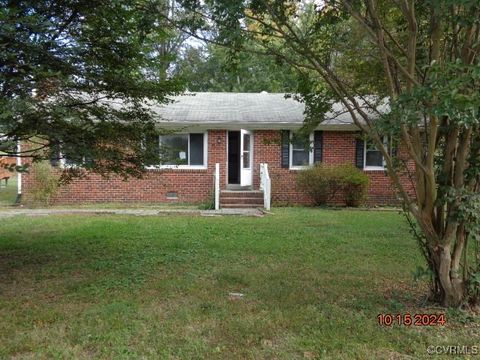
246,147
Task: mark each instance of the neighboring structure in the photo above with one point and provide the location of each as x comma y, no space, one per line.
238,131
5,174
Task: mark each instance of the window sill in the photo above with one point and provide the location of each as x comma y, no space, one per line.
177,167
300,168
374,168
71,166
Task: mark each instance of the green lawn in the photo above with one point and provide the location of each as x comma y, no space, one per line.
118,287
8,194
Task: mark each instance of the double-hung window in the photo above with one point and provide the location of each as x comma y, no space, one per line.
69,157
301,152
373,159
183,150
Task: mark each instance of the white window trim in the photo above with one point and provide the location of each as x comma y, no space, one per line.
187,167
249,151
63,163
373,168
290,154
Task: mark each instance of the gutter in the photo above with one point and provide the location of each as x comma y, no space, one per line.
182,126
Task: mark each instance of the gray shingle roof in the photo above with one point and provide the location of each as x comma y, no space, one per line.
233,107
255,110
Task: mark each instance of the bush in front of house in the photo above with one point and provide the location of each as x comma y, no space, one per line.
355,185
323,182
46,184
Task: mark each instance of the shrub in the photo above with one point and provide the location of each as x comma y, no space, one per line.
355,185
322,182
209,204
46,183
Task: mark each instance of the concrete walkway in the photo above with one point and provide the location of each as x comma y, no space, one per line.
7,213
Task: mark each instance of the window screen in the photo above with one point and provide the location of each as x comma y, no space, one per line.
183,149
196,149
373,157
174,149
300,155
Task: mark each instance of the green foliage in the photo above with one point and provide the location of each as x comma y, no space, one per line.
46,184
77,74
323,182
474,285
355,185
410,70
212,68
422,273
209,204
461,316
450,93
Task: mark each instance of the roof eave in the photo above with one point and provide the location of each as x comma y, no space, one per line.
251,126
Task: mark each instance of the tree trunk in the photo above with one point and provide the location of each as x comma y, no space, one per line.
450,289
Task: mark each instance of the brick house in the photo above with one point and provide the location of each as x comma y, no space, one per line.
239,132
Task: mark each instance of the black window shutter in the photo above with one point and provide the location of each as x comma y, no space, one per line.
393,147
359,148
285,150
317,146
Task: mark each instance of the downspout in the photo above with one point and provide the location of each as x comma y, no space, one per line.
19,175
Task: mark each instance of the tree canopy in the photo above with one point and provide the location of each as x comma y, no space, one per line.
215,68
75,76
419,57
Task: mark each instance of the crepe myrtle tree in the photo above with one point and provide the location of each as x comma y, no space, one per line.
77,76
418,57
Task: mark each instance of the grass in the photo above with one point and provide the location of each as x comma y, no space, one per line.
129,205
118,287
8,194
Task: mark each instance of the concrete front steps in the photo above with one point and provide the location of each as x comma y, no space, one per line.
237,199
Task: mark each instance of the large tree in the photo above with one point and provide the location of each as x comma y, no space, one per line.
215,68
421,57
76,76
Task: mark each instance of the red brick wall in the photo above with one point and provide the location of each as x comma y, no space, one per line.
338,148
191,186
196,186
267,146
